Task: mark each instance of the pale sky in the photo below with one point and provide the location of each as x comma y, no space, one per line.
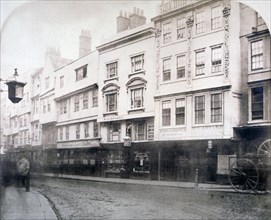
29,27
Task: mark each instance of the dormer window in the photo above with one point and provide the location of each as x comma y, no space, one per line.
81,73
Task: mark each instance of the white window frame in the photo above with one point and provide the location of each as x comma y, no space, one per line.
200,22
180,105
114,135
135,100
166,69
85,100
108,109
112,66
214,108
181,25
167,31
137,63
181,66
251,103
76,103
216,59
81,73
197,109
259,54
200,62
166,115
216,18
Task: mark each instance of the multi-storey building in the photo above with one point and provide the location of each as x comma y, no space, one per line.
47,113
76,95
256,81
36,137
126,89
198,81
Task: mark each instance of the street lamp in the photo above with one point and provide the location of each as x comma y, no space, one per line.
15,88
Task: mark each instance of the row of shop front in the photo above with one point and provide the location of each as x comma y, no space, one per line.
180,160
153,160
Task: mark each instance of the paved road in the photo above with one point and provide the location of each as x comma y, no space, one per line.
96,200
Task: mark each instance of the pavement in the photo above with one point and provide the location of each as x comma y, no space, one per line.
202,186
16,203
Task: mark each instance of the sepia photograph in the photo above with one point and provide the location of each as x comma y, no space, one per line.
135,109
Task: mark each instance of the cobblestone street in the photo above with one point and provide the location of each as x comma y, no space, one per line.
96,200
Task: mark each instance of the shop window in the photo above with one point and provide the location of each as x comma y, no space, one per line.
114,131
199,109
180,28
200,22
167,33
181,66
166,69
141,162
216,108
81,73
257,105
200,62
112,69
216,59
136,98
166,113
180,111
257,55
137,63
216,20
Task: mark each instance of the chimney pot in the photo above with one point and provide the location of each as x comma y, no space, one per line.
142,12
125,14
135,10
121,13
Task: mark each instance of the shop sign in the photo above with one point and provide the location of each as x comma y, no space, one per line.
76,144
208,131
172,133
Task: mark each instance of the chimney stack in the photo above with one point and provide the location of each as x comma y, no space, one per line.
137,18
123,22
133,20
84,43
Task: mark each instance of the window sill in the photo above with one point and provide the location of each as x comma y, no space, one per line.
110,113
135,73
136,110
111,79
256,71
207,125
206,76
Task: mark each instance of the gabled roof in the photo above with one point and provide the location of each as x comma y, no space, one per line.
58,62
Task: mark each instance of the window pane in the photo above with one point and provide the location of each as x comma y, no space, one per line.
216,18
257,103
199,109
180,111
166,113
257,55
200,22
216,108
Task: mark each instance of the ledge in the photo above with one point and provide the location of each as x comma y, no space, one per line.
112,79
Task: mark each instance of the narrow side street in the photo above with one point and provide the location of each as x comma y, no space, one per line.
96,200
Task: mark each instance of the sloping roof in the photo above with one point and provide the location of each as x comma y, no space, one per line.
58,62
